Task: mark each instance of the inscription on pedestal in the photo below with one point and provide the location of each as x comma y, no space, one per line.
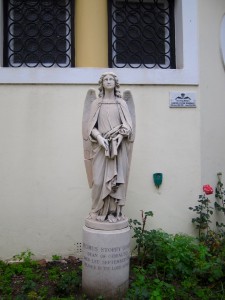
105,259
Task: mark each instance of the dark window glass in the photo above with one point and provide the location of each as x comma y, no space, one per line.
38,33
141,33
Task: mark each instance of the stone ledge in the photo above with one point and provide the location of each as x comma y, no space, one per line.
106,225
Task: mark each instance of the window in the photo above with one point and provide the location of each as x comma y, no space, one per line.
186,58
142,34
38,33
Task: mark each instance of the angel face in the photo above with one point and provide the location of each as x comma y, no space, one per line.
104,86
108,82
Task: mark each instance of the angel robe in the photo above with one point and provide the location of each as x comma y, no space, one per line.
110,168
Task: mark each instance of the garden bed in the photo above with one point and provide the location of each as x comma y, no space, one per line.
41,279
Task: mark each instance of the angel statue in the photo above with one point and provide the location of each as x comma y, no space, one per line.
108,135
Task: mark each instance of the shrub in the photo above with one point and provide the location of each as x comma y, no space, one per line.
174,266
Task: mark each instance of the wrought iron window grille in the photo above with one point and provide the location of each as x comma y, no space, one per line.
141,34
38,33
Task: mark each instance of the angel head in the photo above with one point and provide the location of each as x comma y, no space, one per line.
116,88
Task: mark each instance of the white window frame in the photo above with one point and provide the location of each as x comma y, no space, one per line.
186,32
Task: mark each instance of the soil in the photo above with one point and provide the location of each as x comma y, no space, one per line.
44,280
48,280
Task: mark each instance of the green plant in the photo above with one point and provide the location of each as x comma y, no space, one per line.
140,285
43,292
23,268
26,279
204,212
56,257
68,283
28,286
220,202
162,290
144,287
32,295
54,273
165,256
174,267
24,256
141,235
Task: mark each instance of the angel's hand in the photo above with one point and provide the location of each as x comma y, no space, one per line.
118,138
103,142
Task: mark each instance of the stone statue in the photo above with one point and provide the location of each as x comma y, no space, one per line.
108,135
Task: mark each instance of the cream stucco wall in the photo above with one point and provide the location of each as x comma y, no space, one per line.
44,195
44,192
212,89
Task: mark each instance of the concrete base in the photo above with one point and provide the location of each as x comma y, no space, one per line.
106,225
106,261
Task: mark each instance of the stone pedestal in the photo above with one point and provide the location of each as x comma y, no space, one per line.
106,260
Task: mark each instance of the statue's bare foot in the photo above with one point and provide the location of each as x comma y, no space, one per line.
121,217
100,218
112,219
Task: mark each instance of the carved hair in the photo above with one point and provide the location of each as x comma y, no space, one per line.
117,85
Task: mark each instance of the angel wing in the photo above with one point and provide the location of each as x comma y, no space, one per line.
91,96
127,96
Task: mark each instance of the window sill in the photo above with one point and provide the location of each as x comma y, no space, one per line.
91,76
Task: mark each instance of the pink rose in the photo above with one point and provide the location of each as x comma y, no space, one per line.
208,190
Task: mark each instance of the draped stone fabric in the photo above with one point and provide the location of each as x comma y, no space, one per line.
110,168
